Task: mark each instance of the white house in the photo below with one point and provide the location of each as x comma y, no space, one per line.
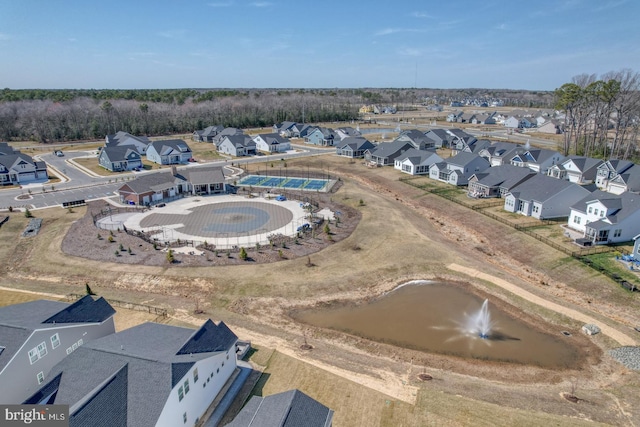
538,160
124,139
19,168
629,180
609,170
169,152
578,169
36,335
543,197
271,143
416,162
607,218
149,375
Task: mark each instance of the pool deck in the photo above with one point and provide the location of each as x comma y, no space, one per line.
182,207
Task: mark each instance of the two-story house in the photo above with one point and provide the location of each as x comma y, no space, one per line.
36,335
148,375
169,152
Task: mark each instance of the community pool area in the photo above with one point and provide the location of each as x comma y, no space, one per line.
288,183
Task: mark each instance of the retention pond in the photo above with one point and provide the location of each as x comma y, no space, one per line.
438,318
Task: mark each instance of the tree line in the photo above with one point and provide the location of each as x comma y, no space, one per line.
45,116
602,114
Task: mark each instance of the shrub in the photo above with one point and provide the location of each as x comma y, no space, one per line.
243,254
110,239
27,213
117,252
280,253
130,251
88,289
170,257
121,248
326,229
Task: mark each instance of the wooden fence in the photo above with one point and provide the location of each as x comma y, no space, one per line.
158,311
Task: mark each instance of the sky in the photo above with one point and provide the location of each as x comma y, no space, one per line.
163,44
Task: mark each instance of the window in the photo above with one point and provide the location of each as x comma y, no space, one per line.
180,394
617,233
184,418
40,377
590,209
69,350
195,375
74,346
186,386
601,213
42,349
595,211
33,355
55,341
576,219
80,342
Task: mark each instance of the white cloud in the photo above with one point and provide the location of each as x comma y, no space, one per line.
388,31
173,34
421,15
261,4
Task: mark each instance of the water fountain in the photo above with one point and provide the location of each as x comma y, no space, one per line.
480,323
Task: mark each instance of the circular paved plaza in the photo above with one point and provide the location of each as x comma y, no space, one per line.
224,221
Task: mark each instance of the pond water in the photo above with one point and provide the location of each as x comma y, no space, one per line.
435,317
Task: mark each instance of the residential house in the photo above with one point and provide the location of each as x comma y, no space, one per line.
609,170
385,153
271,143
636,247
497,181
287,409
629,180
538,160
237,145
300,130
543,197
552,126
169,152
458,169
416,162
322,136
122,139
353,147
148,375
484,119
512,122
119,158
454,116
607,218
440,137
528,122
417,138
6,149
207,134
18,168
162,186
346,131
284,129
216,140
578,169
36,335
499,153
469,145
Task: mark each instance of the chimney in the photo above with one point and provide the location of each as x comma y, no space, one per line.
174,170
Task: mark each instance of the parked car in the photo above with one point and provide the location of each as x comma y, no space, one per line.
192,160
281,198
304,227
58,153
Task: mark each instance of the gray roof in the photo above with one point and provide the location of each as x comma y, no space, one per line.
132,371
240,140
118,153
291,408
273,138
630,178
5,149
464,158
8,160
18,321
356,143
504,176
121,136
165,147
386,149
417,157
165,179
542,187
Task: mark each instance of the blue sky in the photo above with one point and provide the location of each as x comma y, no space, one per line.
99,44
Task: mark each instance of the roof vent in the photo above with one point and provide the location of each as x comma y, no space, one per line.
121,347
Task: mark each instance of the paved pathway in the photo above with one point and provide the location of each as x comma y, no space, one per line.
613,333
